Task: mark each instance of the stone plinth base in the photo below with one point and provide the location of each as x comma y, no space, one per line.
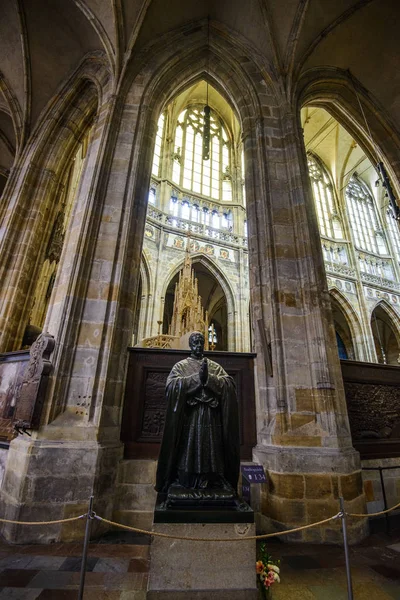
304,486
203,570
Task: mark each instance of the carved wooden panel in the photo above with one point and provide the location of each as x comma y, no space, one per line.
373,404
374,410
32,391
145,405
12,367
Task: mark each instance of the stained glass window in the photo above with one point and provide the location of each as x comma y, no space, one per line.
157,148
363,216
328,219
207,177
341,347
394,232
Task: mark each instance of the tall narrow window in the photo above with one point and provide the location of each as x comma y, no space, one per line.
207,177
157,149
329,222
368,234
394,232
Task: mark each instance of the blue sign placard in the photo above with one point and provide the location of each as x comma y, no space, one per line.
254,473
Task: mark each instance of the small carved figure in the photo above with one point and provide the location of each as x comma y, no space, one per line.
199,458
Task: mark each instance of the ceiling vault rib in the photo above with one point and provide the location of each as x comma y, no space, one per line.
14,109
101,32
340,19
27,70
10,147
293,39
119,34
268,23
135,32
321,130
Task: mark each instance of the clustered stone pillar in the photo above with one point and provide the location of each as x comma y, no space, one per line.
304,439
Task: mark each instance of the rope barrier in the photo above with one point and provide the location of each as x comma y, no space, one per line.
43,522
199,539
165,535
376,514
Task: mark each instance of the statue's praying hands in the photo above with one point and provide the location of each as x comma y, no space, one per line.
203,373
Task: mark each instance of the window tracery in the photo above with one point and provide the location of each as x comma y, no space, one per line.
207,177
394,232
158,145
330,224
364,221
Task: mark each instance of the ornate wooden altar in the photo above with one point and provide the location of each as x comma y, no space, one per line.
144,404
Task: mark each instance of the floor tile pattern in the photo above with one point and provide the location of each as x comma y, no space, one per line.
117,569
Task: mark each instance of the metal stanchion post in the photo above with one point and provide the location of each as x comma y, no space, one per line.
89,520
385,506
346,550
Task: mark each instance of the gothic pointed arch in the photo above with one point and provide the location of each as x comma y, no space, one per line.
347,325
43,166
143,318
215,292
339,92
386,333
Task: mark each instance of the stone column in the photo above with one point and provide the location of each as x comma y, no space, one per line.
304,438
76,450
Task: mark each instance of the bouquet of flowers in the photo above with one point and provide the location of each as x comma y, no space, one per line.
267,572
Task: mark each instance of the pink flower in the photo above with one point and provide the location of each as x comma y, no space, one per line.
269,580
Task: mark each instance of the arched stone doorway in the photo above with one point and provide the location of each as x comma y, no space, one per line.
343,333
213,301
386,336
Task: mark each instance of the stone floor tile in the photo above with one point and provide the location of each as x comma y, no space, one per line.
309,577
392,590
37,549
119,550
387,571
139,565
329,592
46,563
58,595
98,594
369,592
133,595
329,562
54,580
12,593
292,592
125,581
17,577
302,562
15,561
111,565
73,563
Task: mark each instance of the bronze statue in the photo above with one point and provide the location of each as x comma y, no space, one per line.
199,457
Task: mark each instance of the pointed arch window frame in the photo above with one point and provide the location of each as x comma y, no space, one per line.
364,219
209,178
326,205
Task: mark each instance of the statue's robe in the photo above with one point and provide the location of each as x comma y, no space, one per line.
201,431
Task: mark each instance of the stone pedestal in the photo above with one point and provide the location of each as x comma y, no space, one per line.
203,570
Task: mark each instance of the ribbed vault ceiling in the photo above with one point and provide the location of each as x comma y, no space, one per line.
43,42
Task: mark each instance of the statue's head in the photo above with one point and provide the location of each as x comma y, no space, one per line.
196,343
